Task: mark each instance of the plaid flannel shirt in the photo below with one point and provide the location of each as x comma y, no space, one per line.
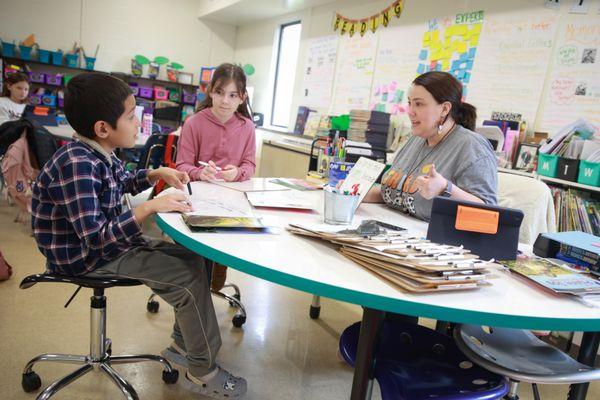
77,216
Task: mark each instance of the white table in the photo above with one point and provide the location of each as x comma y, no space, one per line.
316,267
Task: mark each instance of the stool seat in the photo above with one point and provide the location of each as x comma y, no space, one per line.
413,362
88,282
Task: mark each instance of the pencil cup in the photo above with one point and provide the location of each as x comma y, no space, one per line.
338,171
339,208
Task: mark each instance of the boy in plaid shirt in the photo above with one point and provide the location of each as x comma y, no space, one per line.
81,228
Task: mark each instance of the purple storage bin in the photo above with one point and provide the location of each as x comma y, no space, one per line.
35,99
189,97
146,92
134,88
54,79
61,102
37,77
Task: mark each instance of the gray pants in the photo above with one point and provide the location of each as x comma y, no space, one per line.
179,277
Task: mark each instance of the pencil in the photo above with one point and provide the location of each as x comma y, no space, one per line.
205,164
189,188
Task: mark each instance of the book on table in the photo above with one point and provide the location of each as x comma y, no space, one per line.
205,223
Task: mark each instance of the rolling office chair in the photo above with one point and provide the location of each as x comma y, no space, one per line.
100,355
522,357
415,362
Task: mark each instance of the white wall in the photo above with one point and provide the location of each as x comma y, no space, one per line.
123,28
254,43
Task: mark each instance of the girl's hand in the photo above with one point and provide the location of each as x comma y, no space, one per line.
229,173
209,172
432,184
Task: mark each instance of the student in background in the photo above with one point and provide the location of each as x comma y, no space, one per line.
221,135
81,228
14,97
444,157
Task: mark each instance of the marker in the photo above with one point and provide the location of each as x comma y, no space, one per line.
205,164
189,188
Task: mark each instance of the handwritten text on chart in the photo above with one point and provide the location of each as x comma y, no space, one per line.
562,90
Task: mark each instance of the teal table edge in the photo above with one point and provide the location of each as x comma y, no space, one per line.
375,301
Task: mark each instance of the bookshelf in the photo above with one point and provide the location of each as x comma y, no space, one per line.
561,182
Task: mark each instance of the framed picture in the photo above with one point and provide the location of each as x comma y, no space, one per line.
525,158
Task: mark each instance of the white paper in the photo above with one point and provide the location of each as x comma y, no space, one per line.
252,185
215,203
281,199
364,173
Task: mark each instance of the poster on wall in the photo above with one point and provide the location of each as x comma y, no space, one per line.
354,75
574,87
449,44
395,68
512,60
318,73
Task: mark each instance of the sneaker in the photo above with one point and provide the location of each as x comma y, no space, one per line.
175,355
223,385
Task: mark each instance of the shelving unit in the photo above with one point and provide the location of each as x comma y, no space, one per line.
555,181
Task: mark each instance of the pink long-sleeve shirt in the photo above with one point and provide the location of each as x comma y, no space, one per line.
204,138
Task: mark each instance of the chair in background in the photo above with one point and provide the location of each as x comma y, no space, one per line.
415,362
493,134
522,357
100,355
534,198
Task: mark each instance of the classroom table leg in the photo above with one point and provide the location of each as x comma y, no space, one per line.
587,356
364,367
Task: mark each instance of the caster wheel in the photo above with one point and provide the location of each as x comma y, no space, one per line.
238,320
314,312
152,306
170,377
31,381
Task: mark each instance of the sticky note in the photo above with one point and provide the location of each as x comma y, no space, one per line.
425,169
472,53
423,55
466,79
421,68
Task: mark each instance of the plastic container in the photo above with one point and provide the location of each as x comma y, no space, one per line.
67,78
339,208
89,63
72,60
567,169
174,95
146,92
589,173
37,77
44,56
35,99
161,93
25,52
135,89
189,97
57,57
8,49
49,100
547,165
54,79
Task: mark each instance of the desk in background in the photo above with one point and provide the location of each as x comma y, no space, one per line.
317,268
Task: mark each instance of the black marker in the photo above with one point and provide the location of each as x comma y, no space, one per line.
189,188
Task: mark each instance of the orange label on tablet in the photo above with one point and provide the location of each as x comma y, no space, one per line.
473,219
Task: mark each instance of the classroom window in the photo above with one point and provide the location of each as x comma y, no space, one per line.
285,72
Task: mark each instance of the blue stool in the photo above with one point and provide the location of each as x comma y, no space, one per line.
413,363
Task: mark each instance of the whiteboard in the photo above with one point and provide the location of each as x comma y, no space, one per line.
574,90
318,74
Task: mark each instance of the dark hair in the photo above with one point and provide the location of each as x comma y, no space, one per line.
445,87
224,74
11,79
91,97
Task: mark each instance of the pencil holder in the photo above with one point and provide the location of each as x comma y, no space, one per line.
72,60
57,57
8,49
339,208
43,56
89,63
25,52
338,170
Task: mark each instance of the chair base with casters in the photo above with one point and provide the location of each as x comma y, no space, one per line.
413,362
522,357
234,301
100,356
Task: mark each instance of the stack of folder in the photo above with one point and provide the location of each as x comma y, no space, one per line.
405,261
372,127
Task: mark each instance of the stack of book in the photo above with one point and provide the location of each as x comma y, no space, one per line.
576,211
579,248
405,261
372,127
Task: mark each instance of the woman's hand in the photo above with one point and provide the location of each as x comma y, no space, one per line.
229,173
431,184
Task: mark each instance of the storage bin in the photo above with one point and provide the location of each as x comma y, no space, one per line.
567,169
49,100
547,165
174,95
146,92
89,63
134,88
25,52
54,79
67,78
57,57
37,77
72,60
161,93
35,99
8,49
60,101
9,71
189,97
44,56
589,173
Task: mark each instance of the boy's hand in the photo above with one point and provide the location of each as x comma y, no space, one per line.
229,173
172,177
177,202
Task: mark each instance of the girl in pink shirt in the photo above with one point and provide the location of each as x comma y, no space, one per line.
221,133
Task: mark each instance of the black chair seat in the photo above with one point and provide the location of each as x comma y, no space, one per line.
84,281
